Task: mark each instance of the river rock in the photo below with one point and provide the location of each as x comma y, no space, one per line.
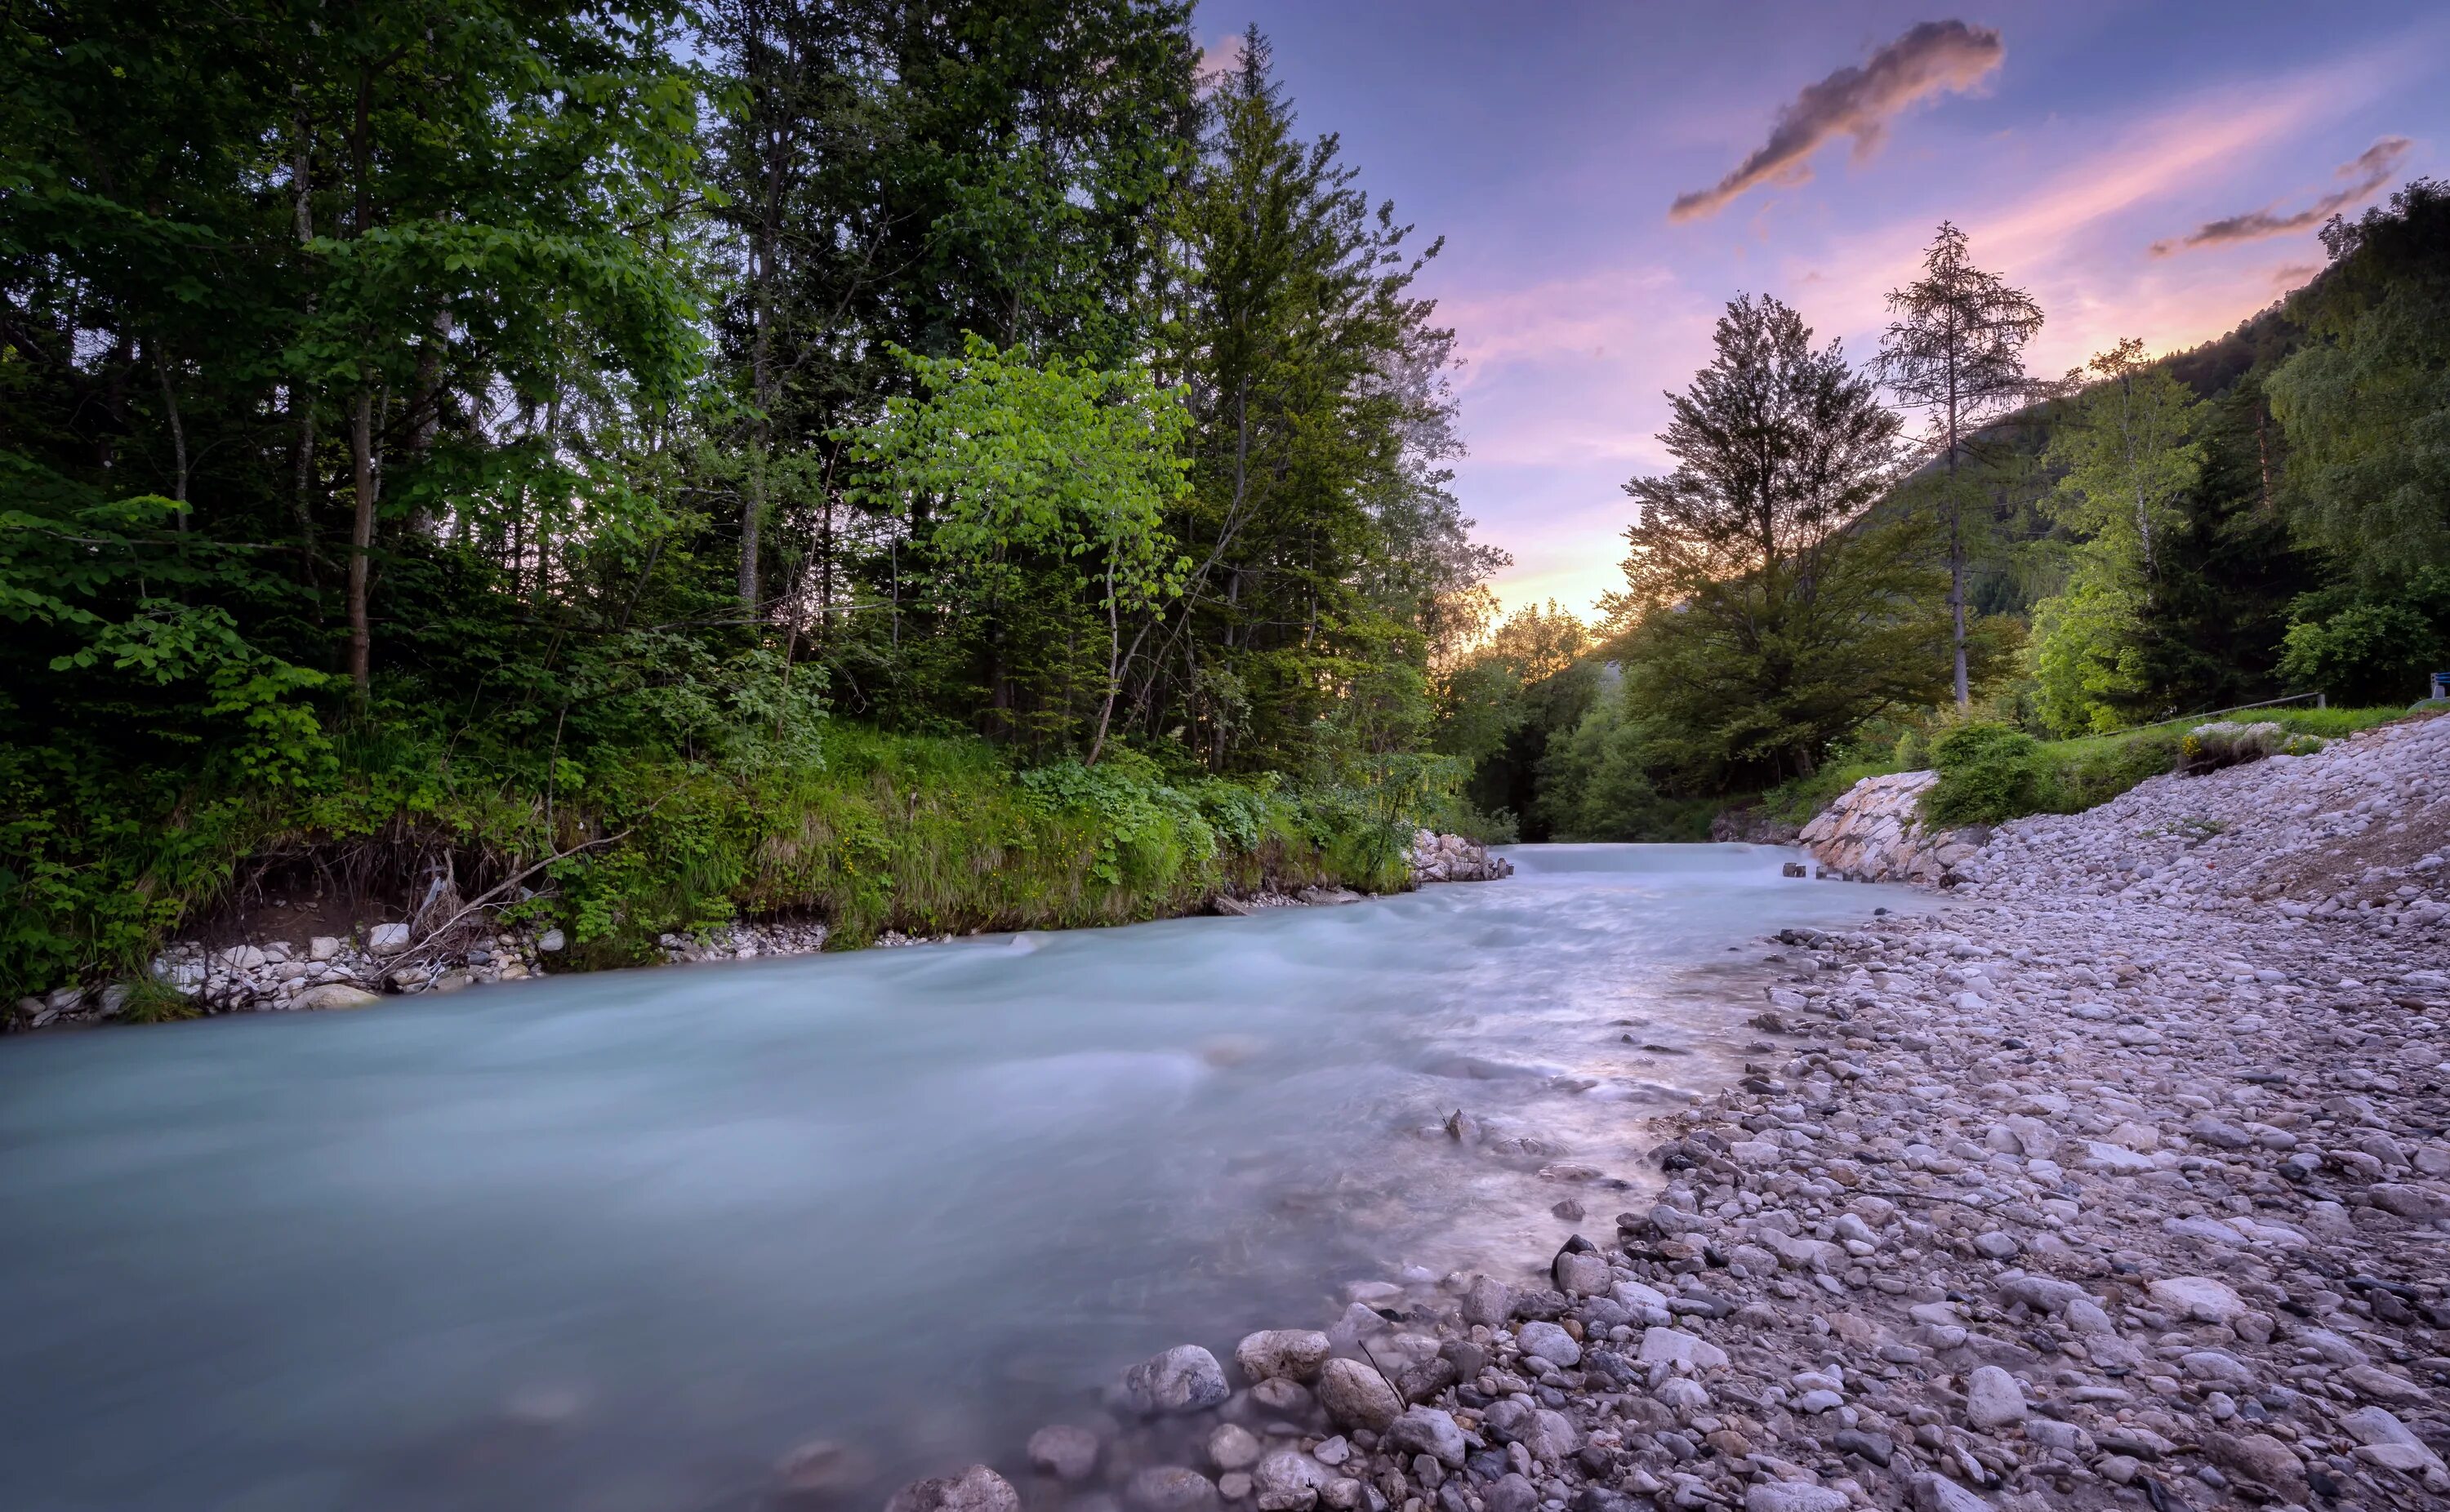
1579,1273
1288,1482
1487,1302
2198,1297
1184,1379
1232,1447
1356,1396
388,940
1292,1354
1429,1431
1675,1347
1550,1343
1511,1493
1168,1489
1793,1496
1992,1397
976,1489
1936,1493
333,995
2260,1458
1067,1453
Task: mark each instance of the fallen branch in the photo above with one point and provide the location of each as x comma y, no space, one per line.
435,935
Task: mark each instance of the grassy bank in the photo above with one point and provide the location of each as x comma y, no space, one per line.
1993,774
865,829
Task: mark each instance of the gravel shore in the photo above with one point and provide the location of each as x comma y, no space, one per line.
2121,1178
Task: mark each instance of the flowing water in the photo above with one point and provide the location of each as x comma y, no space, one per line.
614,1243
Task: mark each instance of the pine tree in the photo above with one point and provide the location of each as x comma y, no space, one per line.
1957,353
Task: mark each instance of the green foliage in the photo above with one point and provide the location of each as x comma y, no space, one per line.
2371,646
1766,615
2366,399
1988,773
371,501
2130,459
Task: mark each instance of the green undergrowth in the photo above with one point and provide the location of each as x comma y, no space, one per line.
1991,773
868,830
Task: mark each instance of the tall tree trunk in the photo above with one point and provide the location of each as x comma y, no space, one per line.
177,433
361,541
302,407
1956,555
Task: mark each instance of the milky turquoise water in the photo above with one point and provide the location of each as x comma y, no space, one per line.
617,1242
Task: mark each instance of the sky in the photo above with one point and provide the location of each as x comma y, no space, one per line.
1607,176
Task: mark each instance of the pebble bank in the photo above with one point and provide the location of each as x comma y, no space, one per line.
2121,1178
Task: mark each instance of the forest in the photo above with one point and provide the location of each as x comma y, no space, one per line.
1937,555
980,465
939,465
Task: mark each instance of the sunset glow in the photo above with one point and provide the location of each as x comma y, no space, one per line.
1550,145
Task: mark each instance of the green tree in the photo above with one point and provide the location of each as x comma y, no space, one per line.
1764,617
1311,368
1038,462
2131,458
2365,401
1957,352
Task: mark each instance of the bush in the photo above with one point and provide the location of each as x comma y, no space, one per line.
2371,651
1988,774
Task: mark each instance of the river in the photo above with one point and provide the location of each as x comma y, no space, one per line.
614,1243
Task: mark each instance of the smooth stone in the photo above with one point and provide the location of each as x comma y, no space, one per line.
1292,1354
1992,1397
1356,1396
1183,1379
1550,1343
1065,1452
1168,1489
1430,1431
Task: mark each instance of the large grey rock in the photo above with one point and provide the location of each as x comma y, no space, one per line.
1545,1435
2200,1298
2260,1458
1936,1493
1288,1482
1992,1397
335,995
1487,1302
976,1489
390,940
1676,1346
1582,1274
1184,1379
1550,1343
1293,1354
1356,1396
1793,1496
1429,1431
1511,1493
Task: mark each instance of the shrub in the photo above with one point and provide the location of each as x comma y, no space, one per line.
1988,774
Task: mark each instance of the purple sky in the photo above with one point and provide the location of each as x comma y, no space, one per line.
1548,141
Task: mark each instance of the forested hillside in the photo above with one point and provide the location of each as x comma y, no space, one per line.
2267,514
945,465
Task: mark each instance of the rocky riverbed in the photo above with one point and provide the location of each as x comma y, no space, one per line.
2121,1179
